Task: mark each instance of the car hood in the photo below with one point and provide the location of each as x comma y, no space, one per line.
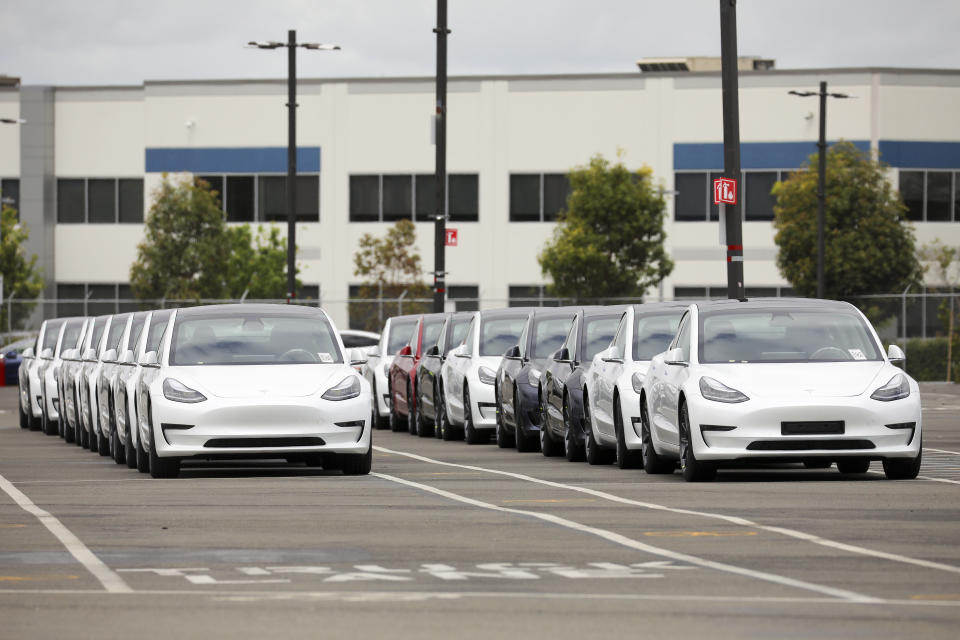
801,380
250,381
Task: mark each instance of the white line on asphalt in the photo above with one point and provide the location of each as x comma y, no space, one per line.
705,514
110,580
508,595
956,453
630,543
944,480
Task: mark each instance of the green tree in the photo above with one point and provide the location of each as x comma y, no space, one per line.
390,267
21,275
257,265
185,253
609,241
943,260
869,244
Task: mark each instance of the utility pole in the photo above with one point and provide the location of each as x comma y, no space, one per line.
733,220
440,176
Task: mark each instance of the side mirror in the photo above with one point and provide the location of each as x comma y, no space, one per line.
10,354
110,355
513,353
433,352
405,352
374,351
357,358
149,359
127,357
461,351
69,354
674,356
28,352
90,355
562,355
47,354
895,354
610,355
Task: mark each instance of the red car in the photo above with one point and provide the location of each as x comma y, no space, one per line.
403,372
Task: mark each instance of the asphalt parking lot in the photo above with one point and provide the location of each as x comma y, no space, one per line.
446,539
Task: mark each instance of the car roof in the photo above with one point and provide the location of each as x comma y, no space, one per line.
213,309
546,312
658,307
509,312
773,303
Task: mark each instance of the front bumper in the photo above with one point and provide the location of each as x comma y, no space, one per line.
757,431
528,409
483,405
238,427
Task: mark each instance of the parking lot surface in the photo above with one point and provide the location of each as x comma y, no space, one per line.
445,539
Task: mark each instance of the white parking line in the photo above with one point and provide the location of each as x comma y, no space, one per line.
944,480
110,580
929,564
956,453
630,543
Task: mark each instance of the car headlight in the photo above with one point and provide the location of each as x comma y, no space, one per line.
718,392
347,388
637,381
896,389
487,376
176,391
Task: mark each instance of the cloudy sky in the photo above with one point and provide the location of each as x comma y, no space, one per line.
129,41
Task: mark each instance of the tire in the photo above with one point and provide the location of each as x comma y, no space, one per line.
24,418
117,448
573,451
548,447
47,425
130,453
411,418
626,458
69,434
446,430
693,470
521,440
470,433
437,408
424,429
653,463
143,458
903,468
854,465
356,465
161,467
394,418
378,422
504,440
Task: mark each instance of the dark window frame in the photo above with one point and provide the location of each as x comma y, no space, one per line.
711,211
953,203
116,219
417,214
543,215
257,215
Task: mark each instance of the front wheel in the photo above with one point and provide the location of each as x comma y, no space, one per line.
160,467
903,468
653,463
24,418
356,465
504,440
470,433
411,418
626,458
424,429
693,469
855,466
548,447
571,448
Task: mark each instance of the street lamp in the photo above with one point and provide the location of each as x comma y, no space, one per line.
821,173
291,44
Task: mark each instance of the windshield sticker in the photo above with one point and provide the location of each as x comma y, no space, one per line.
856,354
325,357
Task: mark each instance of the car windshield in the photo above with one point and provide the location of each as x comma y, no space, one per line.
71,335
598,334
50,335
500,333
256,338
652,333
431,331
785,335
116,331
98,326
457,332
400,332
549,334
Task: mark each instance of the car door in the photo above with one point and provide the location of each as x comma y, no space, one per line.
673,377
459,364
610,370
511,368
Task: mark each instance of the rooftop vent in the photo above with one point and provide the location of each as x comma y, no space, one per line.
701,63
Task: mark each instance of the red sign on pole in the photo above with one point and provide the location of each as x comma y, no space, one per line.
724,191
451,237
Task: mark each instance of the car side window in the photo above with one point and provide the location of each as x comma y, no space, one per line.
523,337
413,339
620,339
682,341
442,338
468,341
571,342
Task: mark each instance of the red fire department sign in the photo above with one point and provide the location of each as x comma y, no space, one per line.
451,237
724,191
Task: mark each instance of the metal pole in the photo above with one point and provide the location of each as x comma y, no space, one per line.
440,177
731,144
821,187
291,164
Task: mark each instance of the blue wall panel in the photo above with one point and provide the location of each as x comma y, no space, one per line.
230,159
920,155
753,155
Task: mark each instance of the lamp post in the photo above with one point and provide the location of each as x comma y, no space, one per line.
821,174
440,167
291,44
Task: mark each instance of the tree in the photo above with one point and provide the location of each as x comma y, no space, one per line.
257,266
21,276
609,241
869,244
390,267
943,259
185,253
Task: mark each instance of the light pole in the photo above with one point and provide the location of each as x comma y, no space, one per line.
821,174
291,44
440,174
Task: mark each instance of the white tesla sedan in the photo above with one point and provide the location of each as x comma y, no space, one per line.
779,380
253,380
395,335
615,379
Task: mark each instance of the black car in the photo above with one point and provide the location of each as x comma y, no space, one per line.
518,407
428,370
561,385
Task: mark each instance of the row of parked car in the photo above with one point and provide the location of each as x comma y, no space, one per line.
153,388
659,386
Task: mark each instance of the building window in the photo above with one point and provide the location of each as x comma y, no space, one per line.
263,198
716,292
530,295
388,198
694,195
931,196
10,193
310,293
100,200
537,197
465,297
